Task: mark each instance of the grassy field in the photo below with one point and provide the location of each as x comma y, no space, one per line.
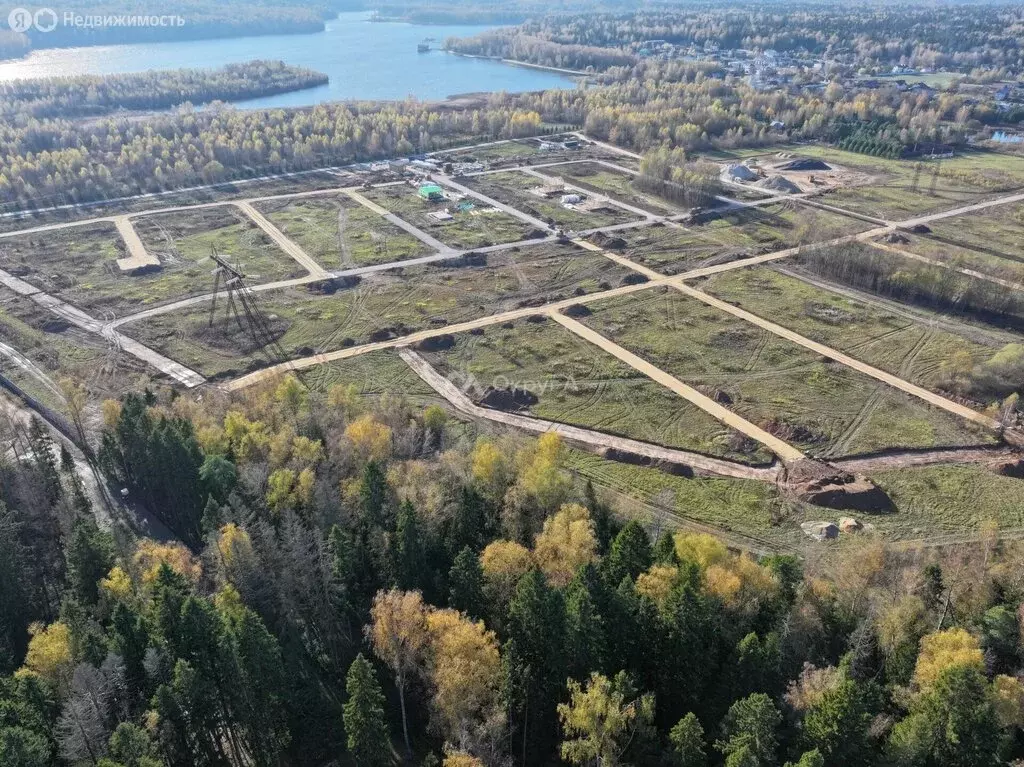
989,241
932,500
51,349
914,349
373,375
615,184
513,188
79,264
184,241
738,234
750,508
476,228
820,406
582,386
380,306
893,194
340,233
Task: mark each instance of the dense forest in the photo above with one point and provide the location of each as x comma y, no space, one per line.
650,105
349,582
202,19
870,38
92,95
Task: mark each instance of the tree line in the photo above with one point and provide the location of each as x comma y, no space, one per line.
92,95
692,106
355,582
873,39
203,19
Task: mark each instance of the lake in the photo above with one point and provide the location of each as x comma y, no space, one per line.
364,59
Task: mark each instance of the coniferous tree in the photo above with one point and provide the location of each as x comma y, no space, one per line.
366,729
466,584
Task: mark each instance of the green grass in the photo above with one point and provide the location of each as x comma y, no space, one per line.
387,304
738,234
913,349
933,500
617,185
184,241
477,228
373,375
818,405
57,350
748,507
513,188
892,192
79,264
577,384
988,241
340,233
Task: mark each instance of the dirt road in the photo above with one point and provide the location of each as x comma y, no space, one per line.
300,256
782,449
588,437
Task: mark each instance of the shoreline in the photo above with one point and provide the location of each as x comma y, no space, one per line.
526,64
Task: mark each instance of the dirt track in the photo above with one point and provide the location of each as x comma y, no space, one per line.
700,463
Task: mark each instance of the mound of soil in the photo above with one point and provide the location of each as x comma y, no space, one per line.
824,485
466,259
635,459
514,400
1011,468
805,165
577,310
921,229
331,286
634,279
895,238
436,343
779,184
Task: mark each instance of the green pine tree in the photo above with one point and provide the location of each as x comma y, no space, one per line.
366,729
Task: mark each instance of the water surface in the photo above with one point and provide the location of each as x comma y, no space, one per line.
364,59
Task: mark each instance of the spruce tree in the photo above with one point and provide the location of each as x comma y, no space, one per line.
366,729
466,584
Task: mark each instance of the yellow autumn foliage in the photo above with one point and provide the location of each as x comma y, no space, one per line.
700,548
370,439
150,555
117,584
1008,698
464,667
490,467
943,650
566,542
460,759
49,651
657,583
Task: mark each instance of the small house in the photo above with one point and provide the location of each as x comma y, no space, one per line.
431,192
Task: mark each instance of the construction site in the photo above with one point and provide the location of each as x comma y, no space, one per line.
733,355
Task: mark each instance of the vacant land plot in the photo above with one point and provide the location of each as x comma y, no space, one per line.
617,185
990,242
915,350
41,349
340,233
514,188
723,238
575,383
78,264
185,240
932,500
307,321
372,376
902,188
753,509
816,404
476,227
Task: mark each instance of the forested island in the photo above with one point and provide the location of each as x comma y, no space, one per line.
200,19
93,95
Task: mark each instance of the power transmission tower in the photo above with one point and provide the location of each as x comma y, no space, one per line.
251,319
